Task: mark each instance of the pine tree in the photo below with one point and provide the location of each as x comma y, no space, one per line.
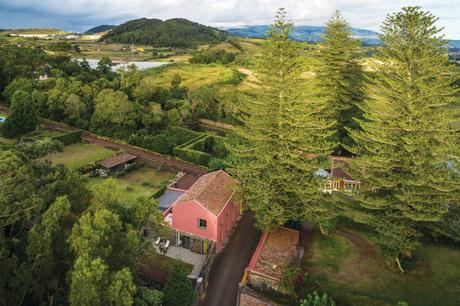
283,138
407,137
178,289
340,77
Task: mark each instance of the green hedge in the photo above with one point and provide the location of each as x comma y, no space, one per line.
69,138
168,139
160,192
201,149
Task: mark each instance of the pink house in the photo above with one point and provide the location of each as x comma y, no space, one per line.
206,213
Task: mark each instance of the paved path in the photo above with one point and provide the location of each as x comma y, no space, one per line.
228,267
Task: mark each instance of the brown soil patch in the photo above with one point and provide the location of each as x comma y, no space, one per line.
364,265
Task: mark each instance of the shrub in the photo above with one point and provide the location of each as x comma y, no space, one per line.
216,164
317,299
148,297
40,147
69,138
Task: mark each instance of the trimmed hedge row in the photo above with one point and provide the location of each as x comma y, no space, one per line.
69,138
66,138
201,149
170,138
160,192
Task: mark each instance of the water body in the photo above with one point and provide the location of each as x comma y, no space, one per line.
140,65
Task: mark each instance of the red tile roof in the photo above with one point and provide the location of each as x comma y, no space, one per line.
340,167
185,182
117,160
212,190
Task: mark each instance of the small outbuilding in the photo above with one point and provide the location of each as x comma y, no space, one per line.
274,251
117,163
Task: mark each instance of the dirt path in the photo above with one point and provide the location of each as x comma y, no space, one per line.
364,265
307,234
364,248
228,268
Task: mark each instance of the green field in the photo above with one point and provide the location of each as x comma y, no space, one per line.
6,141
143,182
193,75
344,272
79,155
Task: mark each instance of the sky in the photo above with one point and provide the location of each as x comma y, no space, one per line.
80,15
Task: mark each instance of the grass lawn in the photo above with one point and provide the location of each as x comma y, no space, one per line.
162,261
78,155
362,279
143,182
6,141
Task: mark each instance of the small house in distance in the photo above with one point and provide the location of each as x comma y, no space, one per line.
274,251
117,163
206,213
337,177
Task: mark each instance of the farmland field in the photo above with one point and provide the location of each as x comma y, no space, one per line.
79,155
193,75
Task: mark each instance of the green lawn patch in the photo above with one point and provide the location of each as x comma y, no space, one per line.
159,260
193,75
330,254
7,141
144,182
79,155
42,134
345,274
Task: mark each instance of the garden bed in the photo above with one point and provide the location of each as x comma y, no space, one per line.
144,182
78,155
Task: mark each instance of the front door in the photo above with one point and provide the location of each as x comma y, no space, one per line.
205,247
185,241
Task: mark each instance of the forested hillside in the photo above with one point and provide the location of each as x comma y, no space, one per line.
170,33
99,29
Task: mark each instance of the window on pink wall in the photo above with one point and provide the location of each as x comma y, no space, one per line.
202,224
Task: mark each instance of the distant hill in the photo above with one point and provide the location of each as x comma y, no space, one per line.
313,34
170,33
303,33
99,29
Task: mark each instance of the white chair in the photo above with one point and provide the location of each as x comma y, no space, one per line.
167,244
158,241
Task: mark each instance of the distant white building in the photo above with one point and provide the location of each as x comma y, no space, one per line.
91,37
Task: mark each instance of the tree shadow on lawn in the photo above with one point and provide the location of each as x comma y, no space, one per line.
351,269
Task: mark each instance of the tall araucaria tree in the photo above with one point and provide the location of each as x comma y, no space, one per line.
340,78
283,139
407,140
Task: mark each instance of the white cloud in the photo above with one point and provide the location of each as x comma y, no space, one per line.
81,14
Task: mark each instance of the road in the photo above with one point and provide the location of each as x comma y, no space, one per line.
228,268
